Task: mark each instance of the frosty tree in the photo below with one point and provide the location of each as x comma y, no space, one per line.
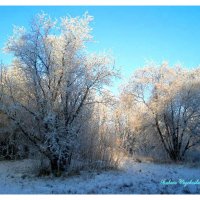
51,87
170,100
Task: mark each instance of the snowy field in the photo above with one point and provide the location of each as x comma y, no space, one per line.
132,178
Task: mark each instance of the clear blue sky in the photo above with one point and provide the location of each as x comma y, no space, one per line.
134,34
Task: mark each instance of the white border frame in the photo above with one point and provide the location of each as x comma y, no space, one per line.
100,2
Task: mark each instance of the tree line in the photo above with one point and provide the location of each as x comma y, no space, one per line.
54,100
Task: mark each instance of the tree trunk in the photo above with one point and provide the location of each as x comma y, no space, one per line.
175,155
59,165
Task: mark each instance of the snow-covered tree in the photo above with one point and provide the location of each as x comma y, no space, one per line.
51,87
170,97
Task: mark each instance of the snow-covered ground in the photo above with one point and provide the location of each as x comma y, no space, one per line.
16,177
